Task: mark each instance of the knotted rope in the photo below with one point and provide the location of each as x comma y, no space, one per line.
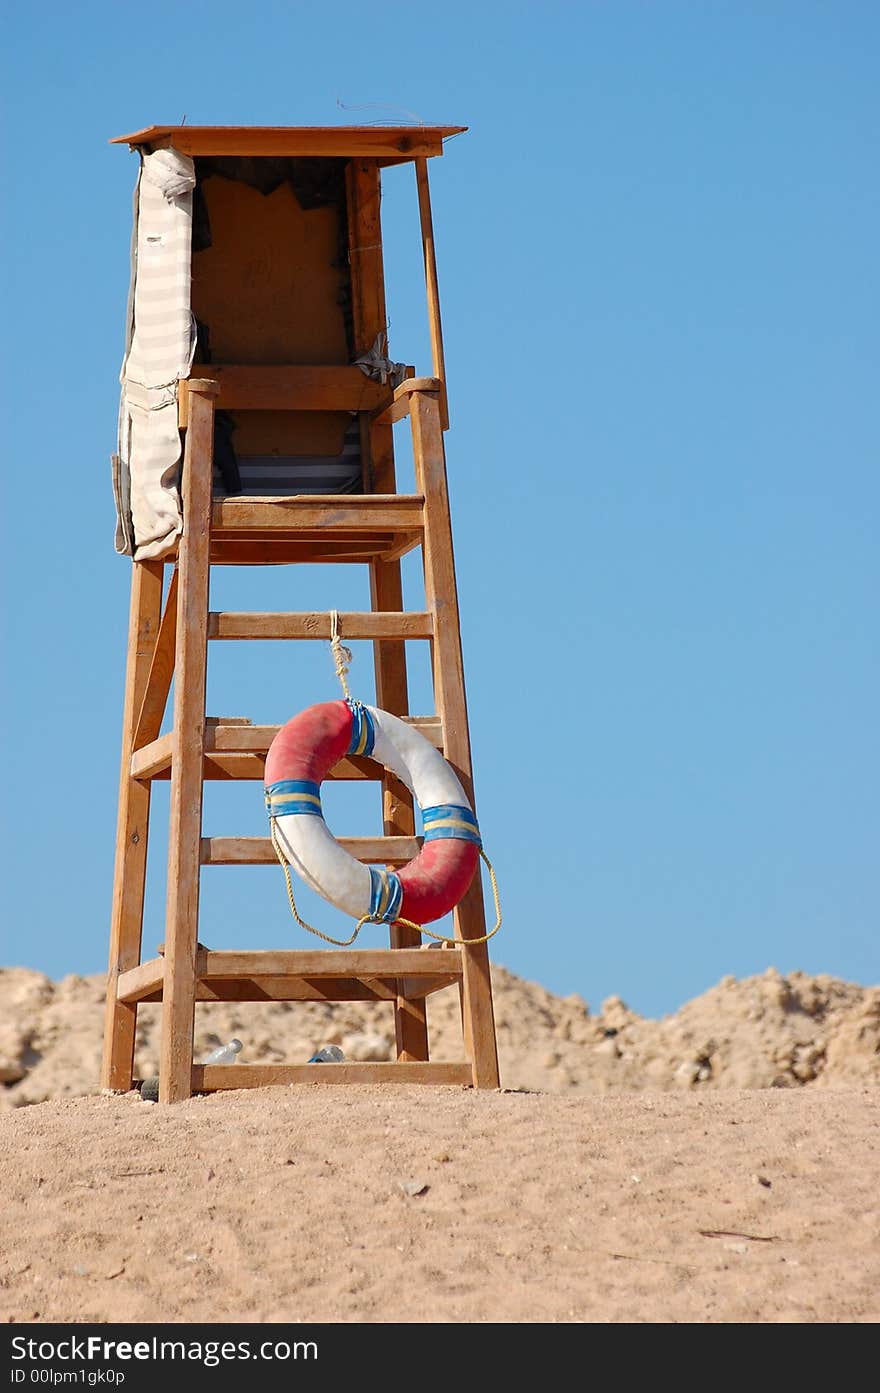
341,655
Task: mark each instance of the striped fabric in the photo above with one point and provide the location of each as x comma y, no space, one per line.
363,730
447,821
160,346
294,796
159,350
386,896
276,476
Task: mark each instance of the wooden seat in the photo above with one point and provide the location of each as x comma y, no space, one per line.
336,529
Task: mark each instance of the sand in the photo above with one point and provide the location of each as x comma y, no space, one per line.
600,1185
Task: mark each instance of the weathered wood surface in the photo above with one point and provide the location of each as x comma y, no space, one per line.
158,685
231,625
133,819
430,258
259,851
259,387
449,691
185,817
366,142
326,963
208,1077
321,513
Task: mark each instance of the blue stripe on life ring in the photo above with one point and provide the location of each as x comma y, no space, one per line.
292,796
363,729
386,895
450,821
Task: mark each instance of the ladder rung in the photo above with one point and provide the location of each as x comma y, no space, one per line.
229,739
353,974
368,625
235,751
259,851
318,962
208,1077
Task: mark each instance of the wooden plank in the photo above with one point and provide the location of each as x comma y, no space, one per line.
317,989
417,384
234,738
363,197
434,324
326,963
392,694
323,512
229,625
294,550
259,851
142,981
386,590
207,1078
249,763
343,142
449,692
253,766
279,542
184,832
153,759
158,685
132,828
389,415
289,387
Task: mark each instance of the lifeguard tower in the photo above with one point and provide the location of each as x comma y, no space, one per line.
256,428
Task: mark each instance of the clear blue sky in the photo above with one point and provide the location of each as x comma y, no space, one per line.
658,252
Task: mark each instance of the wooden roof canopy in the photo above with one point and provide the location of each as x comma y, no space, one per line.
386,144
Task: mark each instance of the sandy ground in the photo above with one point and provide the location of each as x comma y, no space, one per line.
407,1204
719,1165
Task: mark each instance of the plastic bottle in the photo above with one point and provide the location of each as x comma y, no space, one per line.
224,1054
327,1054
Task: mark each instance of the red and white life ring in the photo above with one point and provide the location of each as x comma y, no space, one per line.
300,758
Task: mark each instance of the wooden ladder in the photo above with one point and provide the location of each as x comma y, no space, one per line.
171,640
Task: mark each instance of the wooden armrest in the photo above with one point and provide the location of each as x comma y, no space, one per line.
387,415
288,387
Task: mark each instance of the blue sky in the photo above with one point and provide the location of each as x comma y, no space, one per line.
657,247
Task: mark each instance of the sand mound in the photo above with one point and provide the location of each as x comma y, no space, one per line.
762,1032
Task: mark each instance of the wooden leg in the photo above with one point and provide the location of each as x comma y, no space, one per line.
386,589
131,831
369,314
185,820
449,690
158,685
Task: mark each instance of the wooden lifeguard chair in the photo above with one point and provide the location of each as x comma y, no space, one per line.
286,455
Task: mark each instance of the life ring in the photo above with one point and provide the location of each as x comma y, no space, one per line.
300,758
